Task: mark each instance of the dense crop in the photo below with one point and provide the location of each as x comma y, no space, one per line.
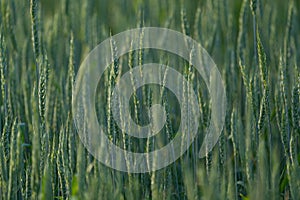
255,44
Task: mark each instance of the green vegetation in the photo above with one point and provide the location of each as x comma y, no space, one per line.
255,44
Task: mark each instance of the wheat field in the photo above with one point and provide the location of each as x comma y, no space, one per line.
255,45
